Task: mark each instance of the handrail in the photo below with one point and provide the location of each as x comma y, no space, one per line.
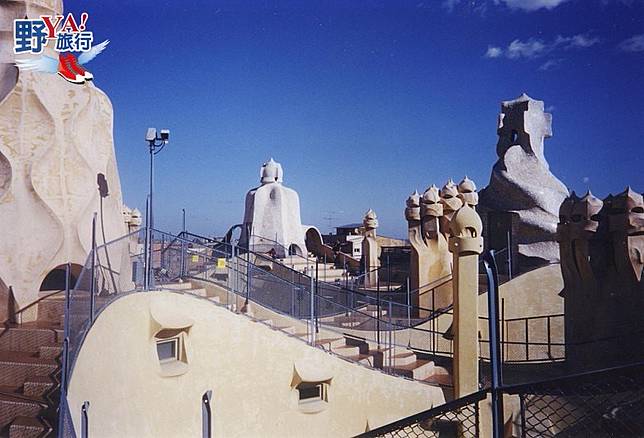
450,406
34,303
307,276
394,324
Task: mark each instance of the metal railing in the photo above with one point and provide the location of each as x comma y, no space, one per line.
458,418
117,268
605,403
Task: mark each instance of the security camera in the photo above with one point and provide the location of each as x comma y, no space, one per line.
165,135
151,134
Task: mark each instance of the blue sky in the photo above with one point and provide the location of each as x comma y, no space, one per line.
361,102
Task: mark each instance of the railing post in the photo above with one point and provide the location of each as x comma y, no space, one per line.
549,339
62,404
378,310
92,287
312,307
527,342
391,365
434,316
236,273
408,306
509,255
183,245
522,409
317,299
85,420
63,378
292,293
147,258
504,348
206,414
494,344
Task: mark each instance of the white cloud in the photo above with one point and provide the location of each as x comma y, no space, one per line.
531,5
579,41
550,64
449,4
632,44
493,52
529,49
534,48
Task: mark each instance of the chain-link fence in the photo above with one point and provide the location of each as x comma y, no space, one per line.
458,418
608,403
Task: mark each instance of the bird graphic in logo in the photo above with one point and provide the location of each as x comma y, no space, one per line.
66,66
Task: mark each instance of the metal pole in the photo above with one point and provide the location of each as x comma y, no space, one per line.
317,300
391,365
504,348
388,275
206,414
150,217
65,365
183,245
408,304
146,247
509,255
151,146
311,310
92,287
495,343
324,268
249,274
378,310
522,409
85,420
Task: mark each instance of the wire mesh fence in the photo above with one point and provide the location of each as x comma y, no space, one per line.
459,418
607,403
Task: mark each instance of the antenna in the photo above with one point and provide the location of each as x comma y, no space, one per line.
332,217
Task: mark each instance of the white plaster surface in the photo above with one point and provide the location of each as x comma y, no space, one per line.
55,137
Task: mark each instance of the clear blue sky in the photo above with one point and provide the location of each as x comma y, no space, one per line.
361,104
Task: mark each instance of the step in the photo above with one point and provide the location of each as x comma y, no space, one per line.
365,359
349,321
404,358
418,370
215,299
439,380
15,406
330,343
177,286
28,427
50,351
38,386
346,350
372,309
52,308
16,367
200,292
29,336
287,329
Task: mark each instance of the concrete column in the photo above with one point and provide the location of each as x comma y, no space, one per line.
465,244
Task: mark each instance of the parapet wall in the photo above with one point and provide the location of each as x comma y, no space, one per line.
251,369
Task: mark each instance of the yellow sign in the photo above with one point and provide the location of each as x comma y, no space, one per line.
221,262
195,259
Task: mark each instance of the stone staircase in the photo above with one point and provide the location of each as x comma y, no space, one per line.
396,360
30,371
